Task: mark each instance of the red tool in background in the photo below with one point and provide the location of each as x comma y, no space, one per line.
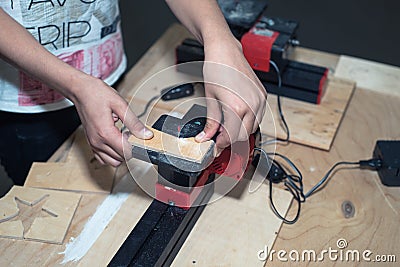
257,46
267,44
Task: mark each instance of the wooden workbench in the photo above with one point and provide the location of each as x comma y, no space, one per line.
370,115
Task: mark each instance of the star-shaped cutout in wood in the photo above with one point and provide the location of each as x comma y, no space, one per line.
37,214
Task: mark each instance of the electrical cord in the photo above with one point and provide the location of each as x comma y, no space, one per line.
318,186
293,179
148,105
370,163
151,100
282,117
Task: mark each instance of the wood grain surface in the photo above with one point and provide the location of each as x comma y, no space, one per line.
233,229
370,75
370,116
309,124
181,148
49,223
79,172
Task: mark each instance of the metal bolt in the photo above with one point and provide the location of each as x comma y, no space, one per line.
270,22
294,42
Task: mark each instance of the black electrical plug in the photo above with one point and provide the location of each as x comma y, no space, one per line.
375,164
275,173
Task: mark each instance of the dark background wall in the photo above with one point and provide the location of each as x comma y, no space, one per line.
361,28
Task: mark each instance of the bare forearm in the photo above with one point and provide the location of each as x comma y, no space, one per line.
203,19
20,48
241,104
98,105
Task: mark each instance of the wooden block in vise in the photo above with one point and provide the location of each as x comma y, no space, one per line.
180,151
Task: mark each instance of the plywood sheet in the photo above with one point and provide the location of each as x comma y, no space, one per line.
370,75
370,116
232,230
113,236
28,253
309,124
80,171
49,223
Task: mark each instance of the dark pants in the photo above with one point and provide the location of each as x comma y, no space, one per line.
25,138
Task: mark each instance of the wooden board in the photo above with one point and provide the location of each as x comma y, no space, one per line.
309,124
49,223
322,223
184,148
28,253
370,75
232,230
80,172
117,230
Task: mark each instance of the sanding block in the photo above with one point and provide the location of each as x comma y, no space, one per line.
173,142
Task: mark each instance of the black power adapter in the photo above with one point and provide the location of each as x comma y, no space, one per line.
388,152
177,92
